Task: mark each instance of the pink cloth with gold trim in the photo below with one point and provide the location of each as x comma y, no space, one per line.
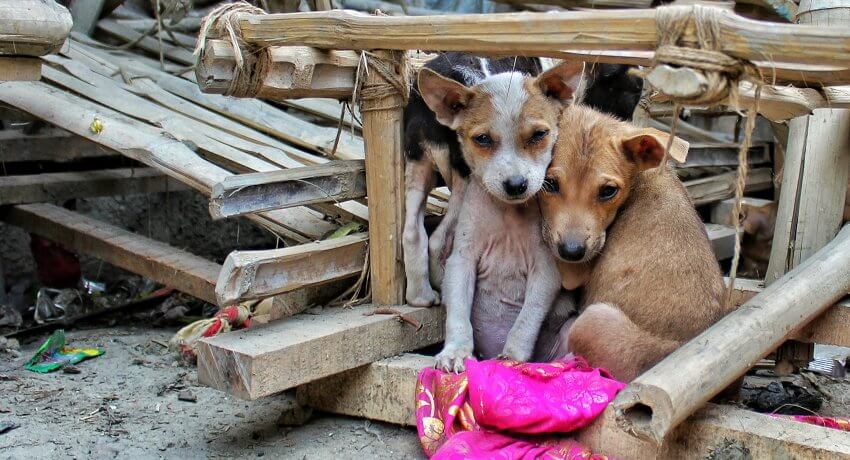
504,409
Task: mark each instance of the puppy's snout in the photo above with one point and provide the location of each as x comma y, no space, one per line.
515,186
572,250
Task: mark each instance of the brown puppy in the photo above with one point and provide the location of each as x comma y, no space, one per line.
631,236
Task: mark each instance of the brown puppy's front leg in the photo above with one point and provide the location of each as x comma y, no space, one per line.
607,338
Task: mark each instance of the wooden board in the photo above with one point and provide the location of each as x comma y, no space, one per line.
385,391
722,239
158,261
38,188
20,69
248,193
272,358
257,274
722,186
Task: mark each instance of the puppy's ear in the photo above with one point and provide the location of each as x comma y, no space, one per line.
560,82
446,97
645,147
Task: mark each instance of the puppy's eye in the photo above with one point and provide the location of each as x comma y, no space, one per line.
538,136
607,192
483,140
550,185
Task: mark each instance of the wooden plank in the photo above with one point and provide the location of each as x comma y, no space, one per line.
272,358
20,69
38,188
539,34
48,144
148,43
382,133
257,274
249,193
158,261
721,213
384,390
723,154
33,27
722,239
722,186
830,328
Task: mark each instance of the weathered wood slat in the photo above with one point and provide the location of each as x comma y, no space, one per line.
722,186
158,261
257,274
250,193
269,359
49,144
38,188
20,69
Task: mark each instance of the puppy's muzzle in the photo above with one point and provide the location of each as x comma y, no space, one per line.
515,187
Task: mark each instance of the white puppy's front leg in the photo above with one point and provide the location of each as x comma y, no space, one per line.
458,293
542,288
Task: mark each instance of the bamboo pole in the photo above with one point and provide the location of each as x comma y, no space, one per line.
382,134
540,34
660,399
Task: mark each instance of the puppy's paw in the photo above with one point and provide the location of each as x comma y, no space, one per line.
514,353
452,358
425,296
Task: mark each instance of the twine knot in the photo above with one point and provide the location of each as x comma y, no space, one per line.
395,80
702,74
252,62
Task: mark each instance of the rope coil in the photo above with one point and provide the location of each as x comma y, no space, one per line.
252,62
393,81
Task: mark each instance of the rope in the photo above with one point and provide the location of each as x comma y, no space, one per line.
721,71
722,75
393,82
252,63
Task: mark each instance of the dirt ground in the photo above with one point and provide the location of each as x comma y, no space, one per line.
124,404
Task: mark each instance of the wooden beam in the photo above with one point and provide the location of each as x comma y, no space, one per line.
20,69
158,261
722,239
48,144
249,193
721,213
39,188
265,360
722,186
661,398
85,14
293,71
33,27
382,134
384,390
257,274
538,34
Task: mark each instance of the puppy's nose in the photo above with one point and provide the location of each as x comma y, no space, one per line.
572,250
515,186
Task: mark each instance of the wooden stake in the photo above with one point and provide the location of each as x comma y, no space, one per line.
657,401
382,134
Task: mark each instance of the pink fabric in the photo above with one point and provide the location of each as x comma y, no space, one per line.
457,414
